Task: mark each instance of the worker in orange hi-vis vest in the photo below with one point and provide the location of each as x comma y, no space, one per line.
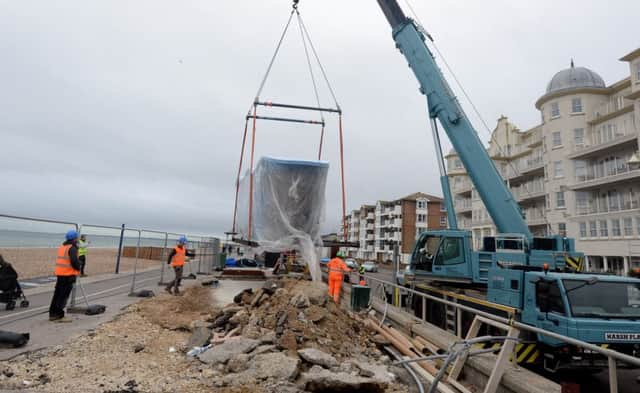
177,258
337,268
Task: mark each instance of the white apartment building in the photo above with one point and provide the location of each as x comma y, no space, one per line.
379,228
577,173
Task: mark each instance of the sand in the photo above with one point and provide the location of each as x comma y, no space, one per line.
39,262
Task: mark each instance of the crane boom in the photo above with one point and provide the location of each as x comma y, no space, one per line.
443,105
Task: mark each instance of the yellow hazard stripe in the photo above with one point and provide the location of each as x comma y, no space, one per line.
526,352
533,357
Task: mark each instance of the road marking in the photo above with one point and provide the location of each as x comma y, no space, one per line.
11,315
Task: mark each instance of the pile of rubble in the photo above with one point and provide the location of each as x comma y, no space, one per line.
284,337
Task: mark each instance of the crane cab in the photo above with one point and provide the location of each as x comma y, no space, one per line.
448,255
442,255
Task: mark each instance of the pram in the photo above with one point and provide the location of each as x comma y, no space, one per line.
9,286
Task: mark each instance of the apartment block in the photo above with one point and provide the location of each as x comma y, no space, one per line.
577,173
381,227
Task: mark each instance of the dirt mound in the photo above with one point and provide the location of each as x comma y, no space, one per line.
177,312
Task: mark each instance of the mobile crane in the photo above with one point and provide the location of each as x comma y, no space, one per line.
536,279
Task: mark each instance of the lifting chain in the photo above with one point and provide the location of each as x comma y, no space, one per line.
295,4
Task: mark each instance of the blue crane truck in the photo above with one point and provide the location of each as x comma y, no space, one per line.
538,280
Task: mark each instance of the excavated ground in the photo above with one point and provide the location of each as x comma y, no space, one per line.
144,348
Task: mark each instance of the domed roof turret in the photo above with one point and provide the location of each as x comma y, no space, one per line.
575,78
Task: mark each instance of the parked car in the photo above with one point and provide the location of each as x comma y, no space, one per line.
370,266
246,262
351,263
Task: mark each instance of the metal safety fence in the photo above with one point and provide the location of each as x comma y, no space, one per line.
509,325
30,245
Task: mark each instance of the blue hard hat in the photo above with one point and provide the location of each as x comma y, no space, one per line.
72,234
182,240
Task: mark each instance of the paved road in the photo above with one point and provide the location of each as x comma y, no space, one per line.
110,290
597,383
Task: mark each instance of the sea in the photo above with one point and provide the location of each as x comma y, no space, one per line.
29,239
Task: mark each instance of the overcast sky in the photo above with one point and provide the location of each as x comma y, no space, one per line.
132,112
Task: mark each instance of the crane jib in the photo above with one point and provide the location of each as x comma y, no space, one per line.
443,105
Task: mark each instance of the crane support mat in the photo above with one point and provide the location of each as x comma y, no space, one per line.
288,201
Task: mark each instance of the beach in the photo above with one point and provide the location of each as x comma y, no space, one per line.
39,262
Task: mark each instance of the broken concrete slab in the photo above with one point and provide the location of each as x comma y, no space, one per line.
300,300
316,356
263,349
199,338
222,353
275,366
315,313
379,372
318,379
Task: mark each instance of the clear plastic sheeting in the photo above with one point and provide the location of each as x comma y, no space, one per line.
288,207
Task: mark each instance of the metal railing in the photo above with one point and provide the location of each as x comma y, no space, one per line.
29,244
611,355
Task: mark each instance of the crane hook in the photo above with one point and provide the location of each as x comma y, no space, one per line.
295,4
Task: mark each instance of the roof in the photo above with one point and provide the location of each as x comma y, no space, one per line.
421,195
630,56
574,78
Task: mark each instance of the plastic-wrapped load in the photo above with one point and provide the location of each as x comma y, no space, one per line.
288,207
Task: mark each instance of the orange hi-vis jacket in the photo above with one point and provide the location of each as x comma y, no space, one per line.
63,262
337,268
178,259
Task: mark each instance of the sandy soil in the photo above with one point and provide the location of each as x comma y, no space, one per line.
142,350
38,262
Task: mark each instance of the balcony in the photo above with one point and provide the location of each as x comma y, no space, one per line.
370,237
370,226
463,206
529,191
371,216
613,175
600,206
615,143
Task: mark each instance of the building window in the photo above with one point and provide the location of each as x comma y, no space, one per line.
555,110
593,230
628,226
443,207
558,170
457,163
580,169
557,139
443,221
421,218
615,227
562,229
604,229
583,229
421,204
576,105
638,225
560,200
578,136
638,72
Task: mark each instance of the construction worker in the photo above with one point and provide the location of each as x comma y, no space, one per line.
82,253
66,270
336,268
361,271
177,259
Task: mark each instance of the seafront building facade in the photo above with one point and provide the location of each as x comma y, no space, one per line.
379,228
577,173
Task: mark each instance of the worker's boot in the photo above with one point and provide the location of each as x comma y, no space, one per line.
177,292
168,289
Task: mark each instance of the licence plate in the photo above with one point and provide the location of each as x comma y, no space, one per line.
622,336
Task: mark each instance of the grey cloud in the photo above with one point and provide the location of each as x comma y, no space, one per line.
136,109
